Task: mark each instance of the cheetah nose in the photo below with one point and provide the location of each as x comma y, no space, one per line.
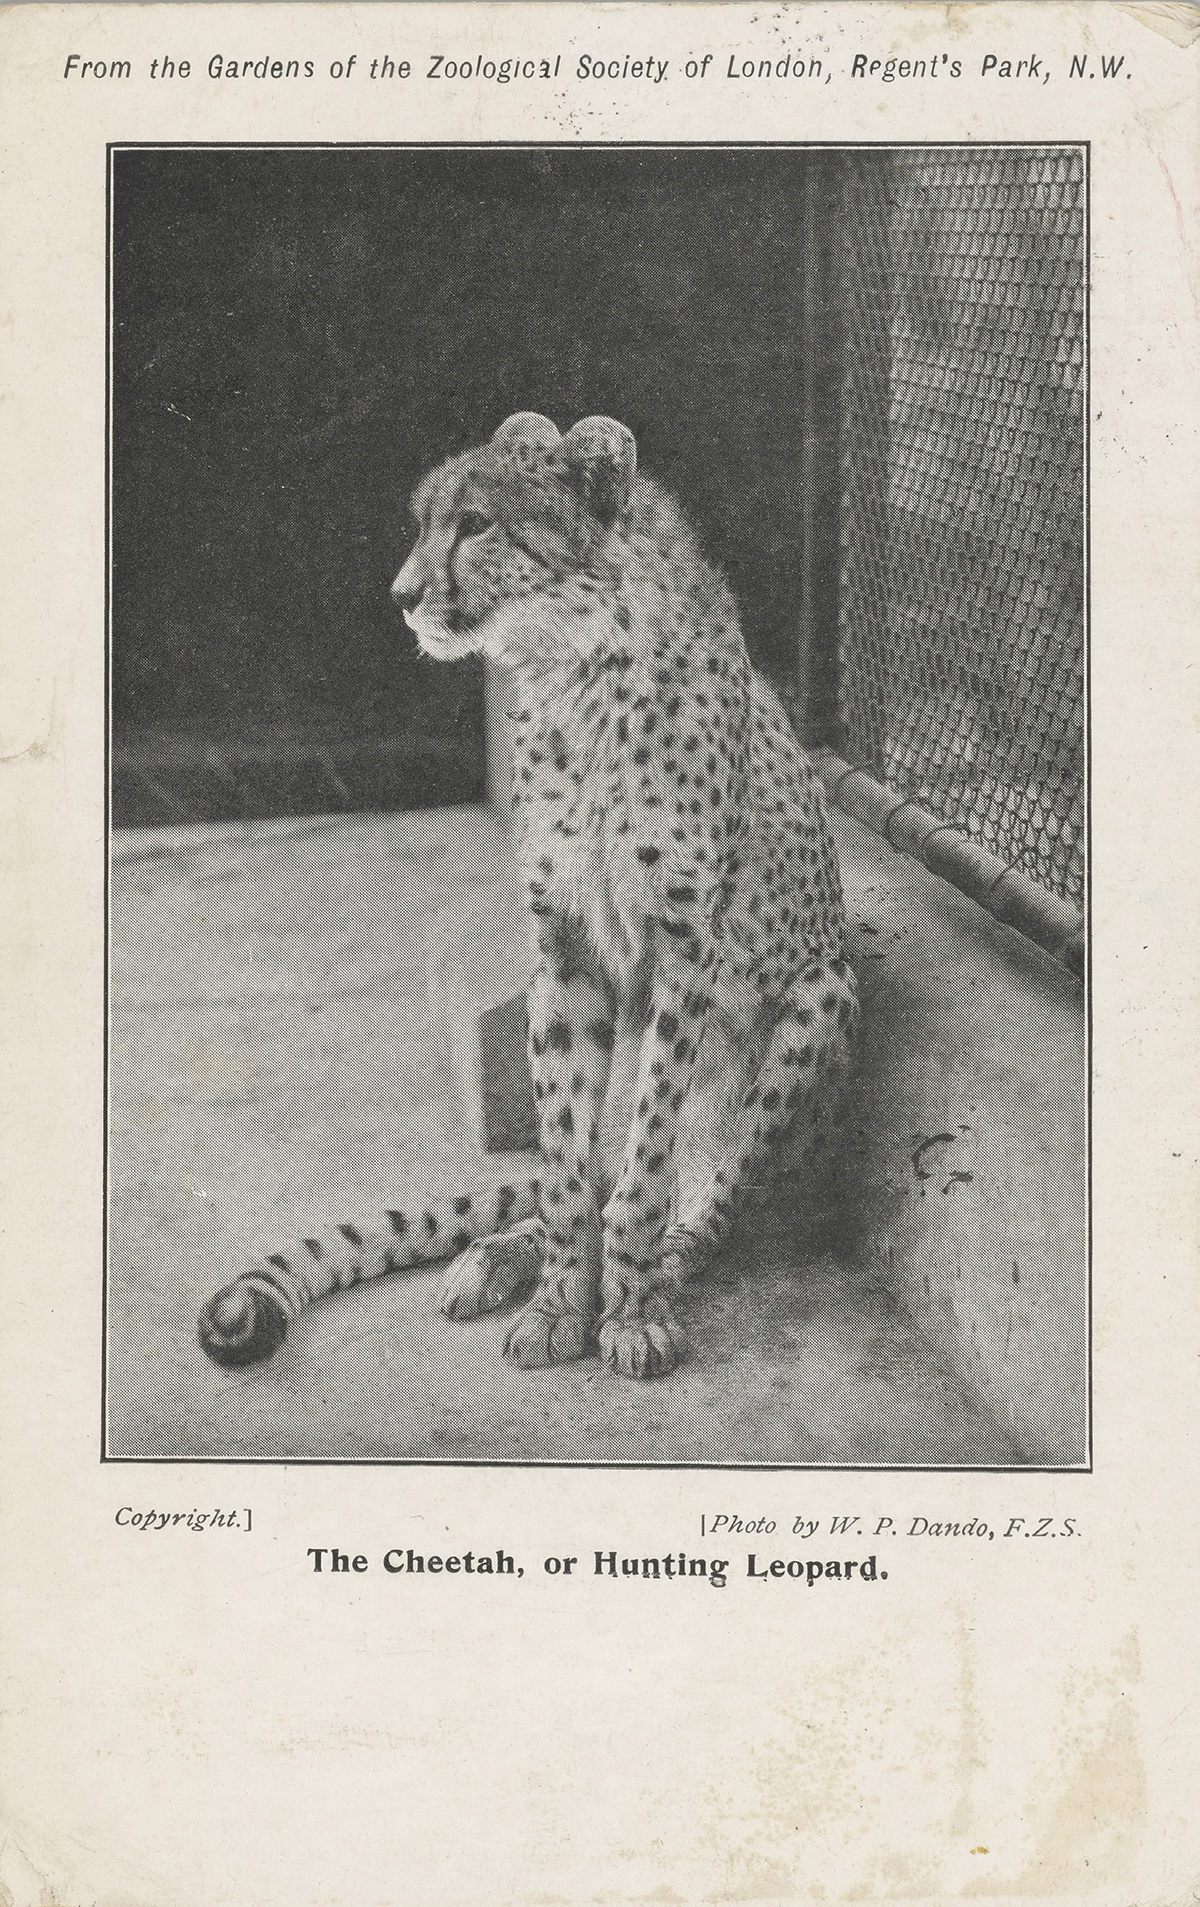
404,595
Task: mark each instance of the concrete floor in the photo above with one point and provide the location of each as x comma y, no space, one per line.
276,1065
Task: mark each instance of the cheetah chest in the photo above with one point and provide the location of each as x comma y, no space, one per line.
590,875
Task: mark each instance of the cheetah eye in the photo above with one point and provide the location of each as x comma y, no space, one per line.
473,523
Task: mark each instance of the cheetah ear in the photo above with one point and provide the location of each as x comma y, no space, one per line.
529,426
602,456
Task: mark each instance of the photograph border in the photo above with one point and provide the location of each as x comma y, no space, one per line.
1082,145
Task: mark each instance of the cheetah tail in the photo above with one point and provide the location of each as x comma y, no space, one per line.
247,1320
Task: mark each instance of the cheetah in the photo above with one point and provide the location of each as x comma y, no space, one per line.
690,997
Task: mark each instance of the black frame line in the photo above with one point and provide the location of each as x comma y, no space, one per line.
112,148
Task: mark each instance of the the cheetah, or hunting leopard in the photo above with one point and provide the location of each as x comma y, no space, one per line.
690,996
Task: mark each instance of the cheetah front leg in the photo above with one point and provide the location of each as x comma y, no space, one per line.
639,1333
571,1034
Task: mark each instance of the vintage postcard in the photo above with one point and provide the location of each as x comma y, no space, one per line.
600,726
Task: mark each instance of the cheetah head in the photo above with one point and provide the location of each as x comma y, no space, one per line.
514,534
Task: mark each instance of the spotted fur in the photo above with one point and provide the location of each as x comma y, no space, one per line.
690,997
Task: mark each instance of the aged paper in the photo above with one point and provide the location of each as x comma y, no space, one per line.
226,1678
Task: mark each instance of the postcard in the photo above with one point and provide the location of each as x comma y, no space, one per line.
600,731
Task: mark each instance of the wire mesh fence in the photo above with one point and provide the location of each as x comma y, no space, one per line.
961,286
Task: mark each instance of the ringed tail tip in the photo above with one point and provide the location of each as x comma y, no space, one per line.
241,1325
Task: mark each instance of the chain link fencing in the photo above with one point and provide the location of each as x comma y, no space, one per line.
961,289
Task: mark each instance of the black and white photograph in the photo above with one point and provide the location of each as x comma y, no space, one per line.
598,776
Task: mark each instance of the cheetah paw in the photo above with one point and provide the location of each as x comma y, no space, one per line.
542,1337
648,1346
487,1275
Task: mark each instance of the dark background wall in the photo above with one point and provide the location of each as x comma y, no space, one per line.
299,334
